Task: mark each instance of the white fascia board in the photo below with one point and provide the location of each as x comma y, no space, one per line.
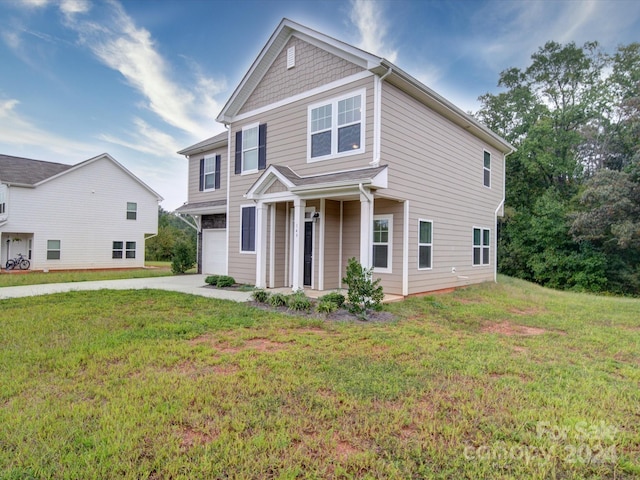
265,181
381,180
205,210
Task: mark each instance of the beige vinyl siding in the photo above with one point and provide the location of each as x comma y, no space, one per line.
194,193
280,244
392,282
350,233
287,145
417,143
331,244
314,67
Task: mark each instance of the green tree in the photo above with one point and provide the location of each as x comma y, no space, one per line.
171,231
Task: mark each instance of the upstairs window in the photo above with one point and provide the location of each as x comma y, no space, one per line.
487,169
210,173
336,127
251,149
481,246
132,210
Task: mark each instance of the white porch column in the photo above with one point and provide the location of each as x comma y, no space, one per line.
366,228
261,245
298,244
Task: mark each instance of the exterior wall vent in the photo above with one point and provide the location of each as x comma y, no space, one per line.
291,57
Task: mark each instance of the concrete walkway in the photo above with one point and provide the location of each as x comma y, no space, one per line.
193,284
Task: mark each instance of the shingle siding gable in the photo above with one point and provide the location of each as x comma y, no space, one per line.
314,67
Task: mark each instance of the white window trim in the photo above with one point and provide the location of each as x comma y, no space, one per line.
59,250
481,246
242,170
247,252
425,244
334,126
389,218
132,211
486,169
213,172
127,250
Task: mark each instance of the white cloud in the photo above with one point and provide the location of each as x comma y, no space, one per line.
73,7
19,131
146,139
121,45
34,3
368,18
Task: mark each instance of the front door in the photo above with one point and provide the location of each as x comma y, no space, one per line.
308,253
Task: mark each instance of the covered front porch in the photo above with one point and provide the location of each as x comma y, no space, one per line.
14,243
306,228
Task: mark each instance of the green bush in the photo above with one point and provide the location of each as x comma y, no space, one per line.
183,258
278,300
261,296
298,302
364,293
225,281
326,306
212,280
333,297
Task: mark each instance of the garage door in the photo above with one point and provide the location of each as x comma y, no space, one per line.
214,251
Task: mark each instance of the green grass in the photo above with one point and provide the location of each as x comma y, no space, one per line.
158,269
149,384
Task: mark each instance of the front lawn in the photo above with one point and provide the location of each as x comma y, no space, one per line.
494,381
153,269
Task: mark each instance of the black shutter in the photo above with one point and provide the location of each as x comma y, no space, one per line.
201,187
238,152
248,229
217,177
262,146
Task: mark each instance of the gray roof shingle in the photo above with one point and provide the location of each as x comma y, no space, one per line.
26,171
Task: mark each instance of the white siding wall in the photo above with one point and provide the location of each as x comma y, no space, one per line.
86,210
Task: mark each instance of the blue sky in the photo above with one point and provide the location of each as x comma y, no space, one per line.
142,79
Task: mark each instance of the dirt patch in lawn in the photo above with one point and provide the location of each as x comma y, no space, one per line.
510,329
258,344
190,437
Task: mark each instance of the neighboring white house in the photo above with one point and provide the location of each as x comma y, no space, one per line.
95,214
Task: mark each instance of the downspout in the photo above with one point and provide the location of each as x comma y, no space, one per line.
495,215
365,193
378,117
226,218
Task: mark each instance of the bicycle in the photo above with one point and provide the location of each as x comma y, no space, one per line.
19,262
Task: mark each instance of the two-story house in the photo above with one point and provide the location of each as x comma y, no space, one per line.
95,214
331,153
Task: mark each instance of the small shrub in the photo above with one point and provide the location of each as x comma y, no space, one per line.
225,281
364,293
183,258
333,297
298,302
326,306
212,279
278,300
261,296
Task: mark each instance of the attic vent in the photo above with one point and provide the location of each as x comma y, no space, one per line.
291,57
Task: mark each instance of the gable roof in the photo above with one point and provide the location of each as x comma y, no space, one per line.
374,176
377,65
26,172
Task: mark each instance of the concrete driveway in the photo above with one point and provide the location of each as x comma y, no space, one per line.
193,284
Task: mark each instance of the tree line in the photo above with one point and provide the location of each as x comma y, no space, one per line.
572,210
174,236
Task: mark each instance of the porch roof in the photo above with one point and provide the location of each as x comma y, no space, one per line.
203,208
375,176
